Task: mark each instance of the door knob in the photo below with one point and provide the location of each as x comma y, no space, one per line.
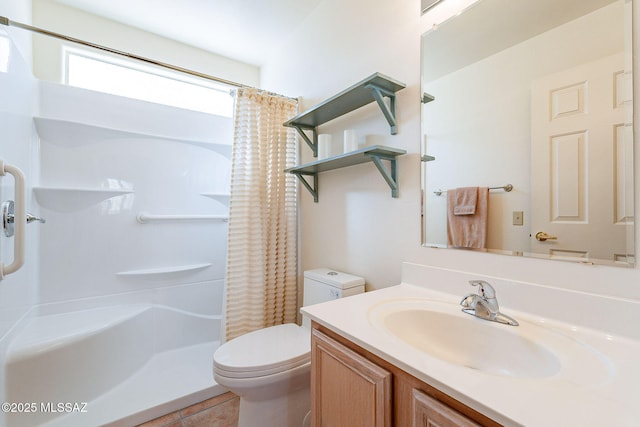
541,236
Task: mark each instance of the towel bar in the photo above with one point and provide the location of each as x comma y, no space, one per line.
144,218
506,188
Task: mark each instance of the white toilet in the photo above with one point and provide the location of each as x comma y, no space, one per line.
270,368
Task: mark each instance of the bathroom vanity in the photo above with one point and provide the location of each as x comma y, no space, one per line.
353,387
407,355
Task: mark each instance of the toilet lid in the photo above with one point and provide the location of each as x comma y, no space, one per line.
264,352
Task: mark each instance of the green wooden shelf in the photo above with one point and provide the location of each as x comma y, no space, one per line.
375,154
374,88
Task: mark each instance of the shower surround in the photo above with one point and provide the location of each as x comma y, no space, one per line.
117,311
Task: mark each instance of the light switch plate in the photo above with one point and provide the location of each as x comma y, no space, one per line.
518,218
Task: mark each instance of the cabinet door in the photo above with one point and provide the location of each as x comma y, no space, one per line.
428,412
347,390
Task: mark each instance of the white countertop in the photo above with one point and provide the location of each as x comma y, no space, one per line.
598,388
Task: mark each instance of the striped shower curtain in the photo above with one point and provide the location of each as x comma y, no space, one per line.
261,275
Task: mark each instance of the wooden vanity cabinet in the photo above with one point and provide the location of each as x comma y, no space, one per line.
351,387
347,389
428,412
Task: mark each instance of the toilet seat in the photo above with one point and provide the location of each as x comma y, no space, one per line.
264,352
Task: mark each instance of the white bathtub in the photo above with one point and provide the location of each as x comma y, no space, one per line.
117,365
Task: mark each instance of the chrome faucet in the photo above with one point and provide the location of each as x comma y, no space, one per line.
484,304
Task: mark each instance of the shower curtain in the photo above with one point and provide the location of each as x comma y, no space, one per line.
261,274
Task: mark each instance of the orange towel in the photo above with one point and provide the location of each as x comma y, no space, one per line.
467,219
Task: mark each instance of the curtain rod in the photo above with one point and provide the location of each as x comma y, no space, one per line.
9,23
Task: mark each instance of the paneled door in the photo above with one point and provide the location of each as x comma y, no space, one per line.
581,140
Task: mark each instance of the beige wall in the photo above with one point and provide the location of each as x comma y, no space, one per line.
356,226
55,17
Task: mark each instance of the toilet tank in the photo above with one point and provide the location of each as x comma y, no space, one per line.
324,284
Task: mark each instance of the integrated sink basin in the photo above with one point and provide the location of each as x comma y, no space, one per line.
443,331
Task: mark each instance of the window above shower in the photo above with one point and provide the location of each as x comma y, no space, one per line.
185,82
130,78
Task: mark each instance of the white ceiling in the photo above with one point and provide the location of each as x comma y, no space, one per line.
490,26
244,30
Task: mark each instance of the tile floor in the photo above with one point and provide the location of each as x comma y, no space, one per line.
219,411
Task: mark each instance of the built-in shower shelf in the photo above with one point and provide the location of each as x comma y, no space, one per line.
164,270
69,199
221,197
68,133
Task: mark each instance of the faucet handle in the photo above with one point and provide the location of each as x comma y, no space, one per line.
469,301
32,218
486,290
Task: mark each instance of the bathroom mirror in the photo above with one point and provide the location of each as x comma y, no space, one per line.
534,97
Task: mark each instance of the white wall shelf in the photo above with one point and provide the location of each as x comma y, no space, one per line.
164,270
63,132
221,197
68,199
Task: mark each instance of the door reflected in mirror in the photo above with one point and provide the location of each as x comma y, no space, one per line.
535,97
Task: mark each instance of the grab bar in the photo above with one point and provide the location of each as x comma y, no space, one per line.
20,219
144,218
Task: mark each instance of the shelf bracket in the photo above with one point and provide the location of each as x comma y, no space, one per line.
388,111
313,144
312,189
391,176
426,98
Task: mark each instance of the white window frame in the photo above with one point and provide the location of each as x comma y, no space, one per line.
151,70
